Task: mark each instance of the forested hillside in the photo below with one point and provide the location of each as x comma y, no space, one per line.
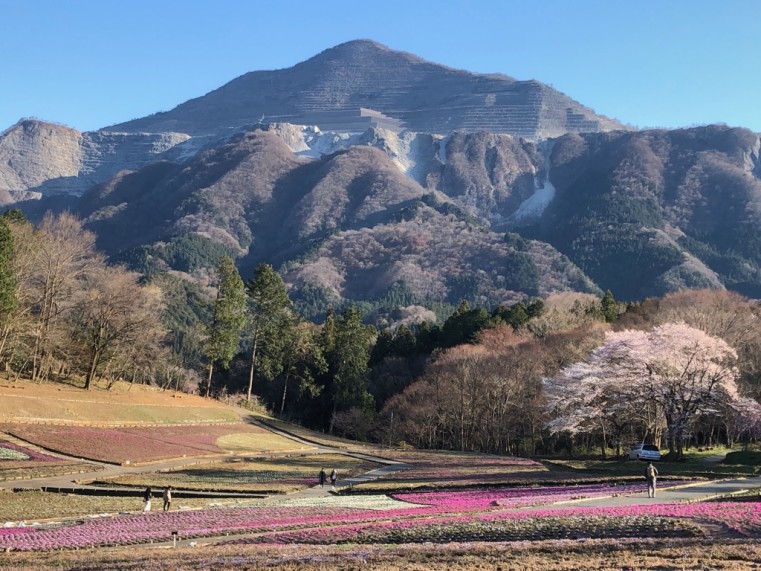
517,378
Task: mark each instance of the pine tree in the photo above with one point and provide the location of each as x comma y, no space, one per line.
349,362
270,319
609,307
228,317
7,278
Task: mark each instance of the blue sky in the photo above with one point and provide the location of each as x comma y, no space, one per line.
648,63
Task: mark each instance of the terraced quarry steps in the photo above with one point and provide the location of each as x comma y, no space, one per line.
427,97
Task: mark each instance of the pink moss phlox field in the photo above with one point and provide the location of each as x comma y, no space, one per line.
447,516
15,530
141,528
31,454
515,497
743,517
133,444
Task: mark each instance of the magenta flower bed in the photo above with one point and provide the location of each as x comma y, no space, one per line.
15,530
460,514
743,517
517,497
156,527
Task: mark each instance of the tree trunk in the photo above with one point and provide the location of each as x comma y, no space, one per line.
251,370
91,373
208,380
332,418
285,391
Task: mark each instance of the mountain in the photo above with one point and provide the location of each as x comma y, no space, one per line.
372,210
346,226
349,86
655,211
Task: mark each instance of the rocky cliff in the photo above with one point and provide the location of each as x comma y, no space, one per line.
38,158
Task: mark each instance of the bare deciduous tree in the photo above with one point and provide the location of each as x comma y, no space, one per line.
112,316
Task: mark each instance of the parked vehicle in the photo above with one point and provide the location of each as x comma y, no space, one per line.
644,452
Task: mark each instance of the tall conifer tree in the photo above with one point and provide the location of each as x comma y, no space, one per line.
228,317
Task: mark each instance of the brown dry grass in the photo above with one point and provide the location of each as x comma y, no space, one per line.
604,555
24,401
27,470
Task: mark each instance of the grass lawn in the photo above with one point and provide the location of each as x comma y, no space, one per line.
321,438
25,401
32,505
743,458
695,464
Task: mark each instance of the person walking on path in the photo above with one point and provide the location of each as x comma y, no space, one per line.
322,477
167,495
147,499
651,473
333,478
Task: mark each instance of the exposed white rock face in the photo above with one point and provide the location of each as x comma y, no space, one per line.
415,154
32,153
38,158
533,207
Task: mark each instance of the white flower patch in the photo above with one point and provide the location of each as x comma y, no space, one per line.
361,502
11,454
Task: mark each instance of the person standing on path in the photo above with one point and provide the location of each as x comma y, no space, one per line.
167,495
322,477
333,478
147,499
651,473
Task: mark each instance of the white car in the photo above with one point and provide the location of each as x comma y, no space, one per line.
644,452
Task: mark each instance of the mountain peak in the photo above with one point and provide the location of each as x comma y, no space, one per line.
331,90
367,48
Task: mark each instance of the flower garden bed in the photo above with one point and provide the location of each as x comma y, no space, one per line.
489,515
453,470
146,444
22,462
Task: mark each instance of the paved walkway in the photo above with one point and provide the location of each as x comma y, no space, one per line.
693,492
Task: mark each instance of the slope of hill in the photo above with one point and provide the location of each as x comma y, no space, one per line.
349,224
655,211
25,402
641,213
329,89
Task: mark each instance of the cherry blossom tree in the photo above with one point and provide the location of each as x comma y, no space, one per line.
667,377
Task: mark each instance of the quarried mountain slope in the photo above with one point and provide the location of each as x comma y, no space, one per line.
41,159
330,88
